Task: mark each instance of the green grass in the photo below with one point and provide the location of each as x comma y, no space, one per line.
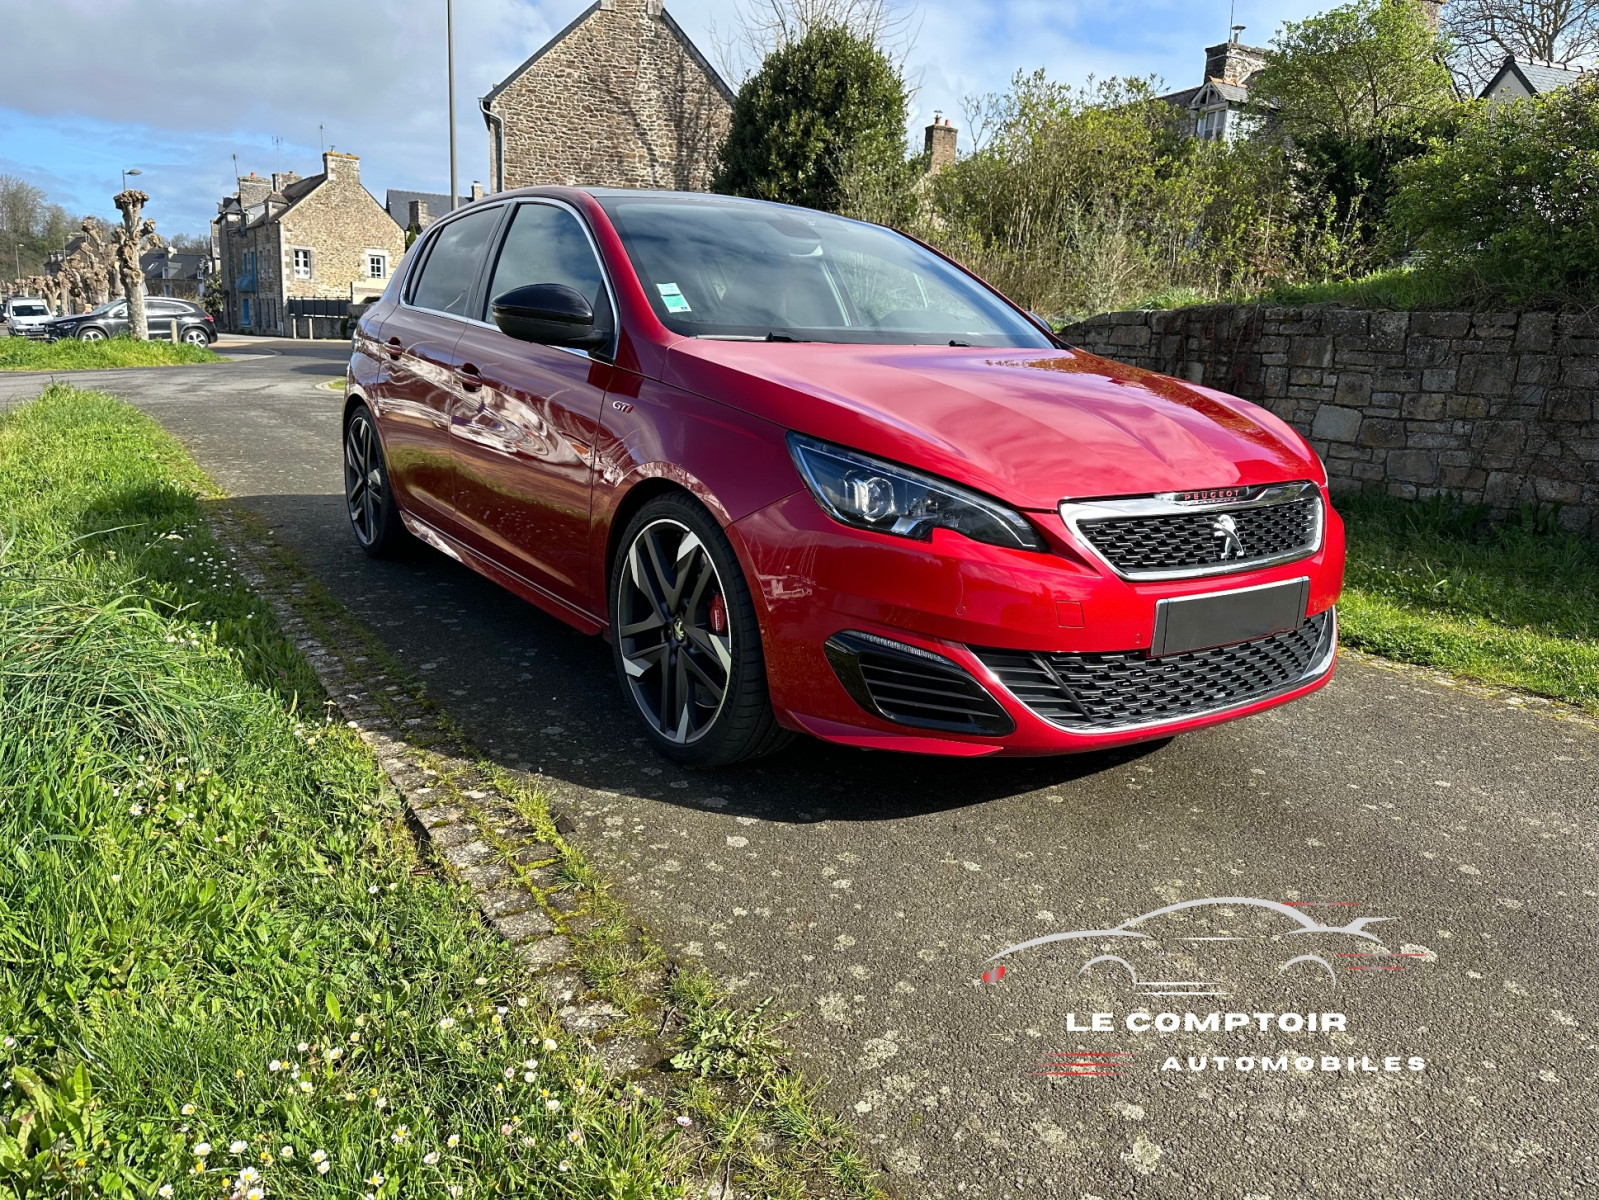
25,354
201,876
1415,289
1513,603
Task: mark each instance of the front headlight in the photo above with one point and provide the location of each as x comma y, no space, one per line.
869,493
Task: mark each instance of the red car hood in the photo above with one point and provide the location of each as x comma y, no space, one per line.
1032,427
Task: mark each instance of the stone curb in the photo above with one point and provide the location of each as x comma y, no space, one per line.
470,827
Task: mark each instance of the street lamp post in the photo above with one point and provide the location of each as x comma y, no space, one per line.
126,173
19,262
449,50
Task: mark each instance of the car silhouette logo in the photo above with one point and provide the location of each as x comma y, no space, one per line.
1302,924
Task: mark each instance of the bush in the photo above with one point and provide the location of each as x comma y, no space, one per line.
820,110
1082,201
1512,197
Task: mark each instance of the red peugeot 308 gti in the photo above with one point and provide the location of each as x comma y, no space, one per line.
808,475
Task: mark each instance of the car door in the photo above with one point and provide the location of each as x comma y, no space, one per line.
420,389
158,317
524,437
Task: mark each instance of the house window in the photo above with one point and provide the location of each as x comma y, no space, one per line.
377,266
245,316
302,264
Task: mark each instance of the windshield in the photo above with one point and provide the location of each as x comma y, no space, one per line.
29,310
725,268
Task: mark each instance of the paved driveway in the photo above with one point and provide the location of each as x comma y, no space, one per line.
865,891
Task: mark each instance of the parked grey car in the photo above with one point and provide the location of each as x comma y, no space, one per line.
25,316
195,325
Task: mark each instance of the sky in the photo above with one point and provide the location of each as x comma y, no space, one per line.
178,88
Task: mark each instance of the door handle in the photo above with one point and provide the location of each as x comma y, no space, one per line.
471,378
394,348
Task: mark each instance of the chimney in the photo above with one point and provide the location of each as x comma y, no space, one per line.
1233,62
282,179
417,216
341,166
940,147
253,189
477,190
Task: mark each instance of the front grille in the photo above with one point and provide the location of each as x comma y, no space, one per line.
1092,692
1177,541
913,687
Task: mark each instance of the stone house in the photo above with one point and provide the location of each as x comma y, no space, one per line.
180,273
1216,109
619,98
415,211
291,250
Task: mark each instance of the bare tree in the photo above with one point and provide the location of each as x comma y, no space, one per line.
134,233
1563,32
767,25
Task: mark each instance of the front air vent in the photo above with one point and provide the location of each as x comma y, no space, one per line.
914,687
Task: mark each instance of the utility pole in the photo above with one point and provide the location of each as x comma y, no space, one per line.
449,50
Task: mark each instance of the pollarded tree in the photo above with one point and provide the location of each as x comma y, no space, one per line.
132,236
819,109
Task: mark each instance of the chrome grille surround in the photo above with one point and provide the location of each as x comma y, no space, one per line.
1173,535
1121,692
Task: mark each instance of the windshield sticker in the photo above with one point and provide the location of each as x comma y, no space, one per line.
672,297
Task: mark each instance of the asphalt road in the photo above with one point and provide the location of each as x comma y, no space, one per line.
865,891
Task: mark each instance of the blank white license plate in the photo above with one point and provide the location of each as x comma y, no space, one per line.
1224,618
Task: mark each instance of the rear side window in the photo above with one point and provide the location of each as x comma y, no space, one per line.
547,244
452,265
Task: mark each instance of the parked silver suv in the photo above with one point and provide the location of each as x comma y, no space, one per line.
25,316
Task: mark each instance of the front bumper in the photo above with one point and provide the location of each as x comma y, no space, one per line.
987,611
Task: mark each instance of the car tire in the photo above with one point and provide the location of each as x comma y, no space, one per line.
91,334
674,644
196,336
368,498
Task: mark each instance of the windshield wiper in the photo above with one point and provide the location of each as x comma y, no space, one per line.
953,342
774,336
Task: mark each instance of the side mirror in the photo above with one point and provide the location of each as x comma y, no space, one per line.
548,314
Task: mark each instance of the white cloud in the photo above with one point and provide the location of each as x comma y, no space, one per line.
178,86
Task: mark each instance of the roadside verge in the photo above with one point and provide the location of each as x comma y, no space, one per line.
237,953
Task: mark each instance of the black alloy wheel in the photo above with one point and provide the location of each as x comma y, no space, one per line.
368,498
686,638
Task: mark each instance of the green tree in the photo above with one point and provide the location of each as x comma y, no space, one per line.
1356,90
820,110
1512,198
1078,201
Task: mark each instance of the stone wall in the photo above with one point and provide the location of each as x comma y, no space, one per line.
1496,408
622,98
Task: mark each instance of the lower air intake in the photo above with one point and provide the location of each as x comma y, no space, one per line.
1103,692
914,687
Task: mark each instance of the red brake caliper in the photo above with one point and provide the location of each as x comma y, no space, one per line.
718,615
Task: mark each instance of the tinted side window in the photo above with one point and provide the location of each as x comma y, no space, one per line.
452,265
547,245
